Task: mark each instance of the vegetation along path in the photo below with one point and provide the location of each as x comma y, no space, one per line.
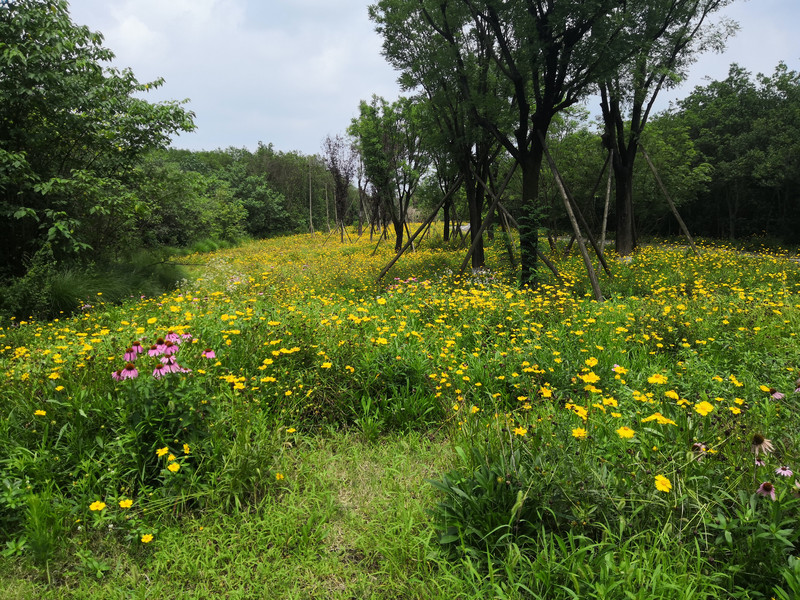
281,423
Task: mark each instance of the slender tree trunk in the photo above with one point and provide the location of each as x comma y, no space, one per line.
622,164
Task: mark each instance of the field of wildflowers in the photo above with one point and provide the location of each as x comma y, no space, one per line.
428,435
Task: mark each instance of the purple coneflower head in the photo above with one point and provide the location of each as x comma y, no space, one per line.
137,347
116,375
760,444
129,372
776,395
784,471
699,449
160,371
209,353
766,489
188,336
160,344
173,337
130,355
154,351
170,364
760,463
170,348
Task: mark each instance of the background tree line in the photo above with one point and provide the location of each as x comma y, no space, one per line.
92,197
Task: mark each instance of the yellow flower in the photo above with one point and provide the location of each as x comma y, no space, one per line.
125,503
520,431
474,409
663,484
174,467
40,413
657,378
291,430
591,362
53,375
147,538
704,407
151,320
162,451
170,458
672,394
279,476
579,433
625,432
327,365
97,505
186,449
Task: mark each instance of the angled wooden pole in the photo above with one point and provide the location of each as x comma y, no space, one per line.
669,200
598,295
427,222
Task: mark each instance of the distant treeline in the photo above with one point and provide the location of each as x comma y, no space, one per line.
92,199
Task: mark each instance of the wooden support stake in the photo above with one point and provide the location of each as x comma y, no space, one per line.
598,295
427,222
669,200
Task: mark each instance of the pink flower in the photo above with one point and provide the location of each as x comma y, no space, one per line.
170,364
129,372
137,347
170,348
777,395
209,353
154,351
130,355
116,375
784,471
173,337
160,371
161,344
766,489
760,463
188,336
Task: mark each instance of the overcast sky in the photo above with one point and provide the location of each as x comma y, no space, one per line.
290,72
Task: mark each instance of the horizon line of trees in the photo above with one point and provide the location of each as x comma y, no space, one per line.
88,181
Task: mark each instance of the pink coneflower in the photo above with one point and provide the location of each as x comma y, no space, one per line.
766,489
130,355
160,371
776,395
699,450
209,353
760,463
160,344
784,471
170,364
170,348
173,337
188,336
129,372
137,347
760,444
154,351
116,375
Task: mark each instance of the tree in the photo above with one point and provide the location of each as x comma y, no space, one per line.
71,133
669,36
745,130
341,161
388,139
549,53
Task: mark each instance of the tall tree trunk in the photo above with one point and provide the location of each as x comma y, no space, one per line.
398,232
622,163
475,197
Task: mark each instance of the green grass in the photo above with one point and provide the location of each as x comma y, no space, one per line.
427,436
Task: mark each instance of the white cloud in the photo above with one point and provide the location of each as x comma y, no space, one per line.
292,71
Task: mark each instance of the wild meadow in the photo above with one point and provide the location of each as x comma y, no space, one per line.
285,424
